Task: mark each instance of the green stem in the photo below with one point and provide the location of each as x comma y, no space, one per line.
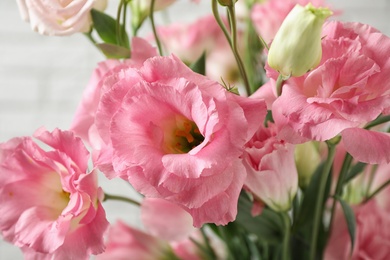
320,200
118,23
120,198
339,188
240,64
279,84
286,238
151,16
232,39
378,121
384,185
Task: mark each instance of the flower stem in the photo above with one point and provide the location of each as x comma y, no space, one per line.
232,39
151,16
339,187
384,185
120,198
378,121
286,238
320,200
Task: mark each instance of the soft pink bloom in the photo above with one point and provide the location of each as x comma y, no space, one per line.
56,17
83,122
49,201
190,41
125,242
165,219
190,128
271,173
372,234
267,17
348,89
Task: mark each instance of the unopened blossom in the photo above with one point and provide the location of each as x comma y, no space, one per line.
56,17
189,126
271,173
267,16
296,47
50,203
348,89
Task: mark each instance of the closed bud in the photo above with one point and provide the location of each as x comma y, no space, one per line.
296,47
307,159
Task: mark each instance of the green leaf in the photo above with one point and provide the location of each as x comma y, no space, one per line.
350,219
199,66
354,171
112,51
106,27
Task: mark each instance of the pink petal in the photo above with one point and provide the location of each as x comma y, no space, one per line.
367,146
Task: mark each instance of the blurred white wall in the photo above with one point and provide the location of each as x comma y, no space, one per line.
42,78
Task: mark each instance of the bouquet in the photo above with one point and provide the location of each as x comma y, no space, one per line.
260,131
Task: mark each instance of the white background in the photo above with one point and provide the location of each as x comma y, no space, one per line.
42,78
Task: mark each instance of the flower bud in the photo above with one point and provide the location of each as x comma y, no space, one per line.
227,2
296,47
307,159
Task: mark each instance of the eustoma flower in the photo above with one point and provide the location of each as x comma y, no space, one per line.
177,135
348,89
56,17
271,173
49,202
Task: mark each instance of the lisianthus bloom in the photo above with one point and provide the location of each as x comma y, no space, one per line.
55,17
271,173
267,16
348,89
190,41
126,242
49,201
372,237
178,135
83,122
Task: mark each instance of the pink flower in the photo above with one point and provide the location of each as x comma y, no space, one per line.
125,242
271,173
55,17
267,17
190,128
348,89
83,122
372,235
190,41
49,202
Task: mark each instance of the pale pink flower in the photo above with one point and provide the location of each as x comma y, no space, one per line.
348,89
267,17
271,173
166,220
56,17
49,201
83,122
178,135
125,242
190,41
372,237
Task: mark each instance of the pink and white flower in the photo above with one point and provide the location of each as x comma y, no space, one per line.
178,135
50,203
271,172
56,17
348,89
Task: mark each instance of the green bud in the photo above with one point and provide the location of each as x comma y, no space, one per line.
307,159
227,2
296,48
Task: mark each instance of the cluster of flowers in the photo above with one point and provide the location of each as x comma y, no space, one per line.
295,168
